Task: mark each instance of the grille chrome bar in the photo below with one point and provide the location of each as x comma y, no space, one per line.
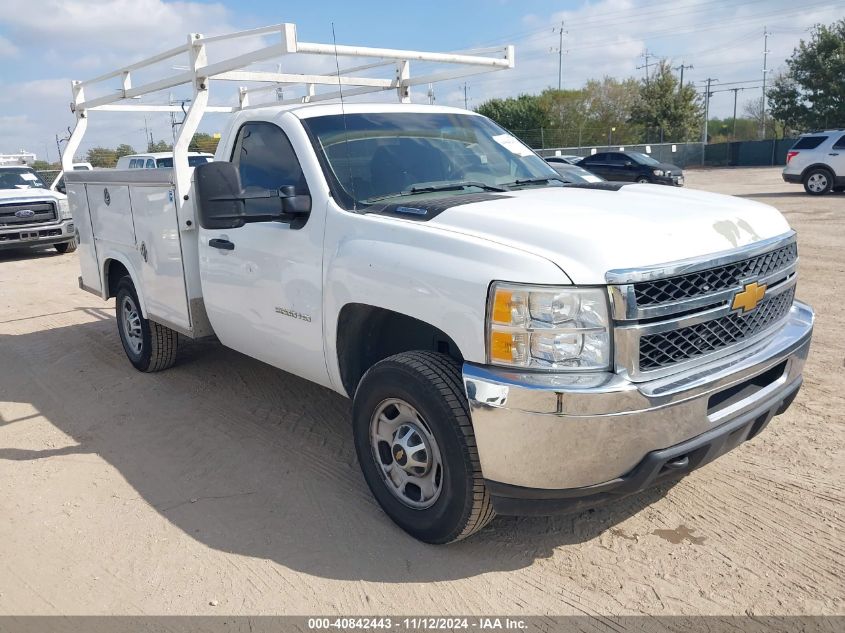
41,211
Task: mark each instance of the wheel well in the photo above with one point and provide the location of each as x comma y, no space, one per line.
115,271
367,335
827,168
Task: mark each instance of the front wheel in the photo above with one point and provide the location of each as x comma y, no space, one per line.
149,345
818,181
416,447
67,247
643,180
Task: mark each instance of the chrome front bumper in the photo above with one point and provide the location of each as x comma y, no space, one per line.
37,234
569,432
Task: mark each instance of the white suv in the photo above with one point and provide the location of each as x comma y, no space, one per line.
817,161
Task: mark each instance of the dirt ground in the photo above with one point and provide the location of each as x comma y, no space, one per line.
226,486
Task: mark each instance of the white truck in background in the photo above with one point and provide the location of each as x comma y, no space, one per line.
31,215
511,344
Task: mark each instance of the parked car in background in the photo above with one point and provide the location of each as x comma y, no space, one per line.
573,174
817,160
156,160
32,215
566,159
633,167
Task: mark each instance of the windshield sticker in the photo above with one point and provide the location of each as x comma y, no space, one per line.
27,176
512,145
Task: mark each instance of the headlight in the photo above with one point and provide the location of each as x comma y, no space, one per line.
548,327
64,210
658,172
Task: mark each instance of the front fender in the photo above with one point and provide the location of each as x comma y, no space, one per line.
421,271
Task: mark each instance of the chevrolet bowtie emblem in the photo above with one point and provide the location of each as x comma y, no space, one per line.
748,298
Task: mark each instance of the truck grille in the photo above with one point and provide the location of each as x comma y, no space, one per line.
672,316
668,348
714,279
24,213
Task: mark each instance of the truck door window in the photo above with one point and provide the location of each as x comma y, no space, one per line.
266,160
840,144
151,164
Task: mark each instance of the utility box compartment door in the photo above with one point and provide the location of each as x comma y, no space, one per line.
88,267
111,214
159,243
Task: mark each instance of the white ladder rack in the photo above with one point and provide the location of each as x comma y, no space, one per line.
199,74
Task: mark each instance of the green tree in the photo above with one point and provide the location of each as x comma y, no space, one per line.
811,94
202,142
523,116
101,157
664,108
609,103
159,146
124,150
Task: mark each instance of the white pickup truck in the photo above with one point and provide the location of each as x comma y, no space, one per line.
31,215
511,344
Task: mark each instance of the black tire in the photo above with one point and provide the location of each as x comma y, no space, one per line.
812,179
158,343
67,247
432,384
643,180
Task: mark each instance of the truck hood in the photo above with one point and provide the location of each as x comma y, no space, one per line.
588,232
30,194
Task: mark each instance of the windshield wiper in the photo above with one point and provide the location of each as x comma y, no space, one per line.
446,186
535,181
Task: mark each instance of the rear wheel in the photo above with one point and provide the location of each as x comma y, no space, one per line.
416,447
148,345
67,247
818,181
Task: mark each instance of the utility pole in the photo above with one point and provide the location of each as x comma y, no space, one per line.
736,92
766,52
559,51
466,100
646,56
707,96
430,94
681,68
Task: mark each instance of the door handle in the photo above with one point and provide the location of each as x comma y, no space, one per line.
225,245
834,154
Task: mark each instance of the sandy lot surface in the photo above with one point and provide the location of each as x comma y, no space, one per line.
226,482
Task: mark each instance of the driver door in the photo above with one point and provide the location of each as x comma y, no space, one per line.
262,282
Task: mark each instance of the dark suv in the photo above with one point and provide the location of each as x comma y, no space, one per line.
633,167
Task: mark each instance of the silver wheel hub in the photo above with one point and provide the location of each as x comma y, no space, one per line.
131,324
407,454
817,182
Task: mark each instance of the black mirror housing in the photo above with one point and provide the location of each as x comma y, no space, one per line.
221,200
218,189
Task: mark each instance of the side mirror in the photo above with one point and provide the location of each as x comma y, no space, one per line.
629,163
223,204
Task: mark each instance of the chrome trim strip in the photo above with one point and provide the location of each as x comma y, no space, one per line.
694,264
700,317
624,308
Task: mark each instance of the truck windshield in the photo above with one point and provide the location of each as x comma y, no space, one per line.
20,179
375,156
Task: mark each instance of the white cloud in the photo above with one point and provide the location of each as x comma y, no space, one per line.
7,49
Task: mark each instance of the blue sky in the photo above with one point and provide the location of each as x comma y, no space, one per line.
46,43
